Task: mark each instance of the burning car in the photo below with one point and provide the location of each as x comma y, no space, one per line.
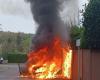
51,55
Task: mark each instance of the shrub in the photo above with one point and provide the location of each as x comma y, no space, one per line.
17,58
76,33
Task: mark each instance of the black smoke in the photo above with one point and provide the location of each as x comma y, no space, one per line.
46,15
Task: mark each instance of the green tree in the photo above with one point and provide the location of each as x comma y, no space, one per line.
76,33
19,42
14,43
26,43
92,25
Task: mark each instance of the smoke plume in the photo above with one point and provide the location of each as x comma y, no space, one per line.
46,15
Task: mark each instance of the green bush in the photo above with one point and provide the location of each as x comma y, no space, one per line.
76,33
17,58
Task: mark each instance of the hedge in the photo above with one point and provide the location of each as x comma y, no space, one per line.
17,58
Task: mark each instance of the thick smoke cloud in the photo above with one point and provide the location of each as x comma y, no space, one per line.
45,11
46,15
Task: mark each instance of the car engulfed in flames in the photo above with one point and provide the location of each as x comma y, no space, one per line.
50,62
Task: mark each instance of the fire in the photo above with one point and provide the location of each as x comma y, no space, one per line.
67,64
51,62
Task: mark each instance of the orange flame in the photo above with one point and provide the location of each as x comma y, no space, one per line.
51,62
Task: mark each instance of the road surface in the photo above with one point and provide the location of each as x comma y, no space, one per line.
9,72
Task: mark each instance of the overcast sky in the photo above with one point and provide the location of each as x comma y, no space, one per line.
15,16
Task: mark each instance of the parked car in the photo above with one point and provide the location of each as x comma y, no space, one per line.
1,60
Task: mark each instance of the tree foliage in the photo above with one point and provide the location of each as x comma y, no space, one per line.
14,43
92,25
76,33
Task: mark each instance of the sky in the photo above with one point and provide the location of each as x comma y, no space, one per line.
15,16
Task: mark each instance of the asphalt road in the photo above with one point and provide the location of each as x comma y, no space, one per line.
9,72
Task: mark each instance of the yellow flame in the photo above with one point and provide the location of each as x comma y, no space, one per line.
46,71
67,63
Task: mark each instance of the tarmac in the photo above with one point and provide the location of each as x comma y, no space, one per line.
9,72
